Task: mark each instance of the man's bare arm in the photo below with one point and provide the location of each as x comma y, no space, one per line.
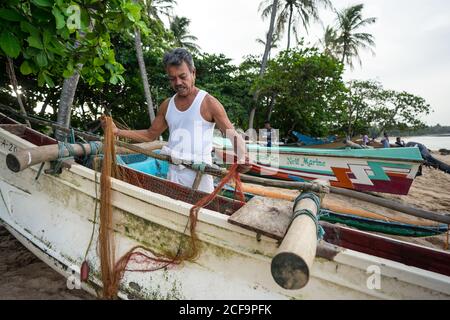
224,124
158,126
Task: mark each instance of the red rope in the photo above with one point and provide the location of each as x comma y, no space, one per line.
121,266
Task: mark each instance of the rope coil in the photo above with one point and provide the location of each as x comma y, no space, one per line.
307,212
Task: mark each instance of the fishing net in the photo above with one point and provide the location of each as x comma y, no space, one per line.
112,269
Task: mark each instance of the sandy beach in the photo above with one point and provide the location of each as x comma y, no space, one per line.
25,277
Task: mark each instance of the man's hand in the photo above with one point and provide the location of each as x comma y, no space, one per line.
115,130
244,165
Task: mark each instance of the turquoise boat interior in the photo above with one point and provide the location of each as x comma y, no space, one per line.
142,163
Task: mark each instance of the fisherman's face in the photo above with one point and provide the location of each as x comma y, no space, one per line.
181,78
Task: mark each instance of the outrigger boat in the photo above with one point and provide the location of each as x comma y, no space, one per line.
378,170
53,216
359,219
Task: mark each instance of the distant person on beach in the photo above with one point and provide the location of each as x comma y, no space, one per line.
267,133
385,141
399,142
365,140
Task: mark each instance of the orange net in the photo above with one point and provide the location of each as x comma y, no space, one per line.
112,271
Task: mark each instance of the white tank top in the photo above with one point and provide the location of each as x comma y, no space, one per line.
191,136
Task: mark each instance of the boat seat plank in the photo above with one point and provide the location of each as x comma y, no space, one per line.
266,216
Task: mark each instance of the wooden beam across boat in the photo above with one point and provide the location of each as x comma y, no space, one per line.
387,203
20,160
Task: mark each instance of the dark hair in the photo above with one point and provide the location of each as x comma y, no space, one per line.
177,56
267,122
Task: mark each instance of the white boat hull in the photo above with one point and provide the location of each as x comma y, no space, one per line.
54,216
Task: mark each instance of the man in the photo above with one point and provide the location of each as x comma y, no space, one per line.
190,115
365,140
400,143
385,141
267,133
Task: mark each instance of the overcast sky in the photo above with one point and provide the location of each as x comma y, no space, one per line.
412,41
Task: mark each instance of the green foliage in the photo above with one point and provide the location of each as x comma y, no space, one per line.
307,90
370,107
9,44
229,84
53,38
429,130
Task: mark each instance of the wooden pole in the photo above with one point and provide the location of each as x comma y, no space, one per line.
20,160
291,266
304,186
416,212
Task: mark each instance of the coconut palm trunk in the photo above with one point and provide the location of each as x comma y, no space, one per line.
142,69
291,12
264,60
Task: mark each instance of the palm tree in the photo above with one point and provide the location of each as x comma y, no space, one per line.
273,42
155,9
329,42
158,8
349,41
293,11
273,13
179,27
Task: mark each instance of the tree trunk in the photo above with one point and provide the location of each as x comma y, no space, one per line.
291,11
14,84
264,60
344,52
45,104
65,103
140,58
272,104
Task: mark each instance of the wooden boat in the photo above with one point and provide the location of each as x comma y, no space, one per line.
53,216
379,170
359,219
329,143
310,141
